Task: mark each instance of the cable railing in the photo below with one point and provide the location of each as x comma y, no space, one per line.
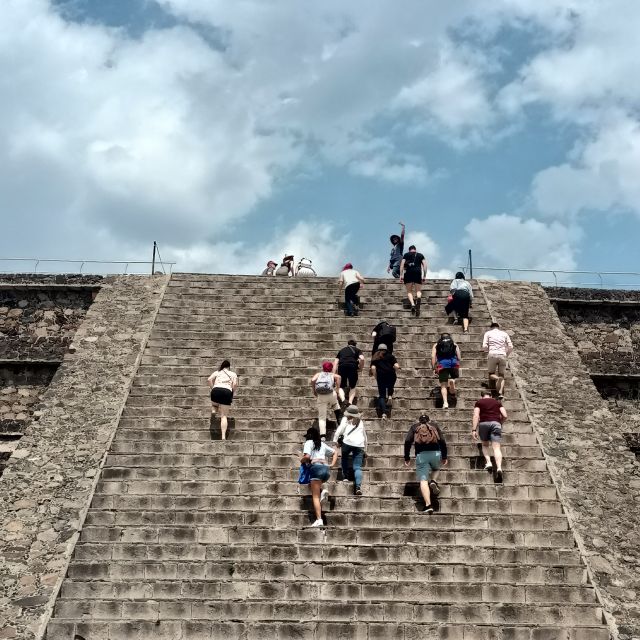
48,266
563,277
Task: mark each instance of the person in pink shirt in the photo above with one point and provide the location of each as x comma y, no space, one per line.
498,346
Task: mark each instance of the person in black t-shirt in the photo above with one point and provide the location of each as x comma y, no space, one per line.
383,368
383,333
413,271
348,363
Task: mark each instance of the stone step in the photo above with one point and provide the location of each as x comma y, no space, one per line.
459,443
319,590
271,406
496,537
364,504
403,475
196,629
455,433
151,525
283,464
450,421
219,487
167,555
326,571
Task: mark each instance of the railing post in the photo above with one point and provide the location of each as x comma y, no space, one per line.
153,260
470,265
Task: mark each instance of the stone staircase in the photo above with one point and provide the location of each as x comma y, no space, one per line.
189,538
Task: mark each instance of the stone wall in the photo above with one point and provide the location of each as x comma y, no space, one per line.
37,322
597,476
606,334
22,386
49,480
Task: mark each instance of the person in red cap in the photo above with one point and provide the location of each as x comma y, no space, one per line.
351,280
325,385
271,269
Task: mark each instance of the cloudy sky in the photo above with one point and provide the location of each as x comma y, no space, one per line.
233,131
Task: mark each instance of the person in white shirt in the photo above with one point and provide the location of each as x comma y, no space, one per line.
498,346
223,384
460,299
315,453
351,280
352,438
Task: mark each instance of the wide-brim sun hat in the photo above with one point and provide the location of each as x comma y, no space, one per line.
352,411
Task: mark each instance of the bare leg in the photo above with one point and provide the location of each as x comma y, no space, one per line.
465,324
352,395
418,291
410,293
214,408
452,387
341,394
486,452
500,385
445,396
316,488
425,491
224,423
497,454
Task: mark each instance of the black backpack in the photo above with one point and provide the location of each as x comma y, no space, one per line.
388,331
446,348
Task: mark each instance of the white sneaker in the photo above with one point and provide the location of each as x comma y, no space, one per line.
384,416
324,495
445,405
318,523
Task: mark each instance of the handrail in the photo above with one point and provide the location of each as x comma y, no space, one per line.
124,270
569,281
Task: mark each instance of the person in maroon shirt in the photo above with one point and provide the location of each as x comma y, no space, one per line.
488,416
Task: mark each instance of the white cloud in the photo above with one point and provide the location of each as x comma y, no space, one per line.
507,241
322,244
604,175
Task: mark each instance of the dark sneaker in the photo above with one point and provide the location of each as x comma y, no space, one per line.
413,309
390,402
434,488
499,475
358,491
428,509
418,303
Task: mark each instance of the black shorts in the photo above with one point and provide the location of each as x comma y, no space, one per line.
221,396
349,375
413,277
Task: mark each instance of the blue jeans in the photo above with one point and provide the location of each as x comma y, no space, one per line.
358,455
386,384
395,269
350,297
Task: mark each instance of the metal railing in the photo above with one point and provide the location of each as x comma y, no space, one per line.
564,278
97,267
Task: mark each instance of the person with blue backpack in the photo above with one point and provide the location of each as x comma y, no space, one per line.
314,466
445,360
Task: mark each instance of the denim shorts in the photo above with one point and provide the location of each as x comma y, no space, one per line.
427,461
319,471
490,431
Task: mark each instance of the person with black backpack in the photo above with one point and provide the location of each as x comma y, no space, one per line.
348,363
413,271
383,368
431,454
445,360
383,333
325,385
